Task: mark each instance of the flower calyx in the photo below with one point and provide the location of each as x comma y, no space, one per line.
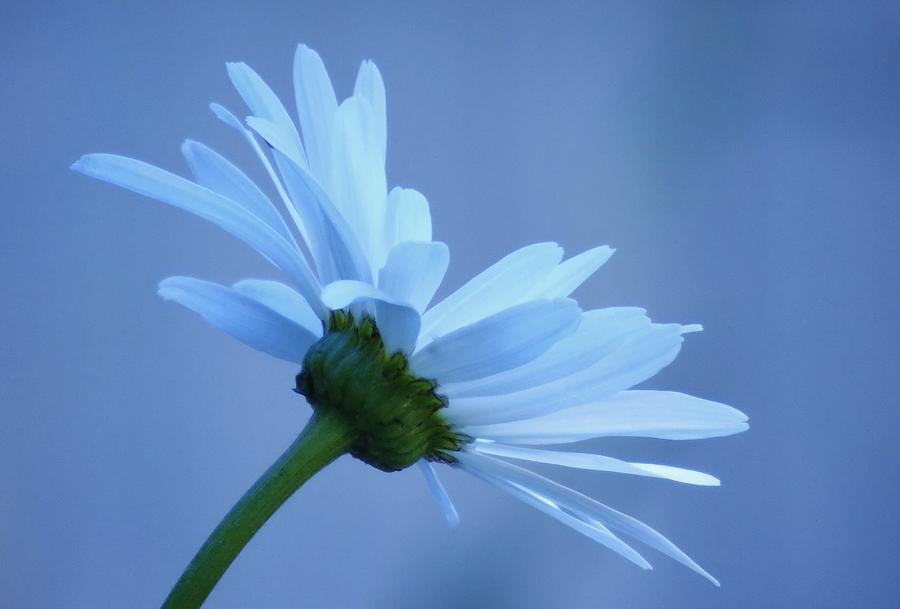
394,415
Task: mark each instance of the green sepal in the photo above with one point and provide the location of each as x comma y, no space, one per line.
395,415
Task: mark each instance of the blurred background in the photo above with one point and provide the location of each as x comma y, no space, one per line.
742,157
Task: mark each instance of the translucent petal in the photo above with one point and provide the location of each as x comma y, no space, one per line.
264,104
654,414
275,137
226,116
359,186
370,87
588,509
244,318
414,271
492,471
408,217
282,299
637,360
316,105
334,244
500,286
215,172
507,339
595,462
232,121
600,333
156,183
571,273
398,322
440,493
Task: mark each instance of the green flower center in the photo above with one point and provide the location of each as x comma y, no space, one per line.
395,416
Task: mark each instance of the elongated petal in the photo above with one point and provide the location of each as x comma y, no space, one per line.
359,186
595,462
493,471
215,172
282,299
571,273
232,121
639,359
636,529
334,244
507,339
653,414
370,87
275,136
398,322
590,510
502,285
599,334
440,493
408,217
158,184
316,105
263,103
244,318
226,116
414,271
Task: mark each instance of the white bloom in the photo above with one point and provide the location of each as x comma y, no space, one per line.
520,365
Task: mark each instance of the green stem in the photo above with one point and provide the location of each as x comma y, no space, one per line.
324,439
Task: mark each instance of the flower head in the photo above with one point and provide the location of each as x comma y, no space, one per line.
503,366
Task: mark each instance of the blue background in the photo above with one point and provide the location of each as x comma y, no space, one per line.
744,158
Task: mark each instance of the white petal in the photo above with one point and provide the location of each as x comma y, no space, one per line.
414,271
156,183
440,493
589,509
637,360
408,217
507,339
333,252
226,116
595,462
571,273
275,137
500,286
359,187
282,299
334,244
398,322
636,529
244,318
556,503
654,414
263,103
370,87
599,334
287,162
316,105
232,121
229,119
215,172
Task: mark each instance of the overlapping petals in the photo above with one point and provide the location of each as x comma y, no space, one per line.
521,365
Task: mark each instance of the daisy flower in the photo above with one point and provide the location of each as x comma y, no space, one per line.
482,381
